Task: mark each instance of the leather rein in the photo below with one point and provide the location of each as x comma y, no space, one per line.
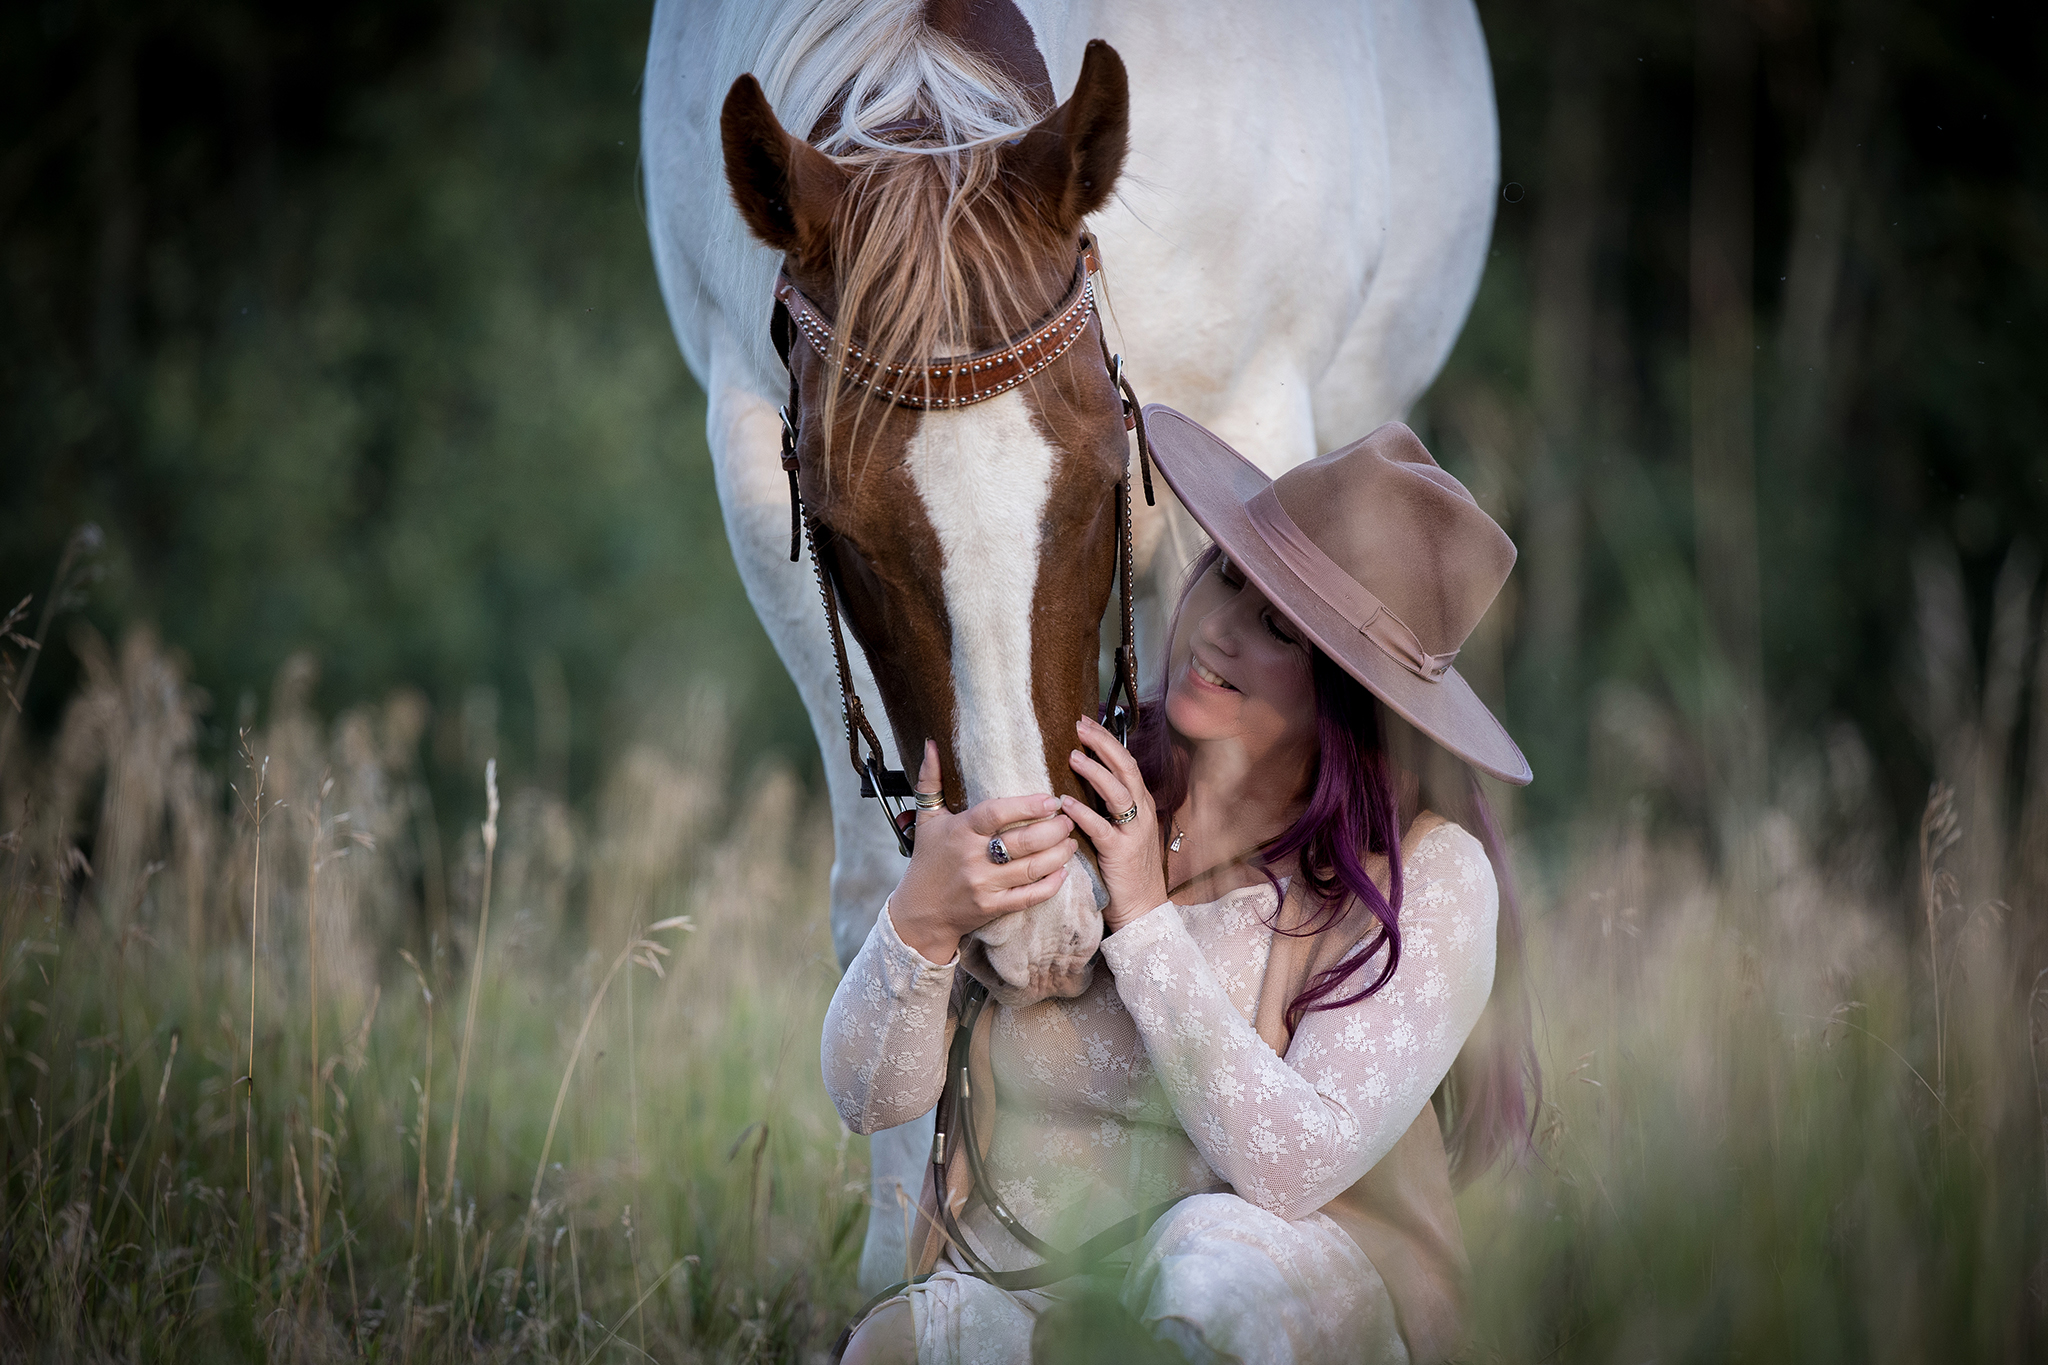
947,385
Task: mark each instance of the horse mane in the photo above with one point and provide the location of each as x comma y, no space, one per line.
868,63
929,242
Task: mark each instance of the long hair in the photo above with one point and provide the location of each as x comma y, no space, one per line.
1356,809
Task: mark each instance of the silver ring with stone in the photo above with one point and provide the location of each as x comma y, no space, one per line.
1127,816
997,854
930,800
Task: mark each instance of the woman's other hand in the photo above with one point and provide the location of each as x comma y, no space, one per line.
1129,852
953,886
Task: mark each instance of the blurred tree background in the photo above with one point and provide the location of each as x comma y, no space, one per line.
1751,378
342,324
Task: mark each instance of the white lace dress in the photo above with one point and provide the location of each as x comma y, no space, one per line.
1153,1085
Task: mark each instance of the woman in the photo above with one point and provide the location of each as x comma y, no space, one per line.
1296,949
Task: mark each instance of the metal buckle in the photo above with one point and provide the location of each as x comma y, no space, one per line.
1123,392
1119,724
890,787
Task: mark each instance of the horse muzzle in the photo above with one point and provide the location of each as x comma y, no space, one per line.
1044,952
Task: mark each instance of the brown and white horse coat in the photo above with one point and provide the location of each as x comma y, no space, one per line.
971,546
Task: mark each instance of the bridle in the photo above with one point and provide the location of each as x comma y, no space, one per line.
940,386
946,385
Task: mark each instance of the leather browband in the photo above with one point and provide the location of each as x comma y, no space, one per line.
940,384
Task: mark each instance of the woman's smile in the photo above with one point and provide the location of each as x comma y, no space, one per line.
1209,676
1247,678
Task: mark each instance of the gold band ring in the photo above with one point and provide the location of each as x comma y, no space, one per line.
930,800
1127,816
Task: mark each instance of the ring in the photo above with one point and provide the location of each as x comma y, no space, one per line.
997,854
1127,816
930,800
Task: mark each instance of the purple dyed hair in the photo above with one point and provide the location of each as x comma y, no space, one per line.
1356,808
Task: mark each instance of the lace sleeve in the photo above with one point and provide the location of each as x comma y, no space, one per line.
1290,1135
884,1051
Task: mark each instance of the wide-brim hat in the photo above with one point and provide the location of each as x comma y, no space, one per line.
1376,552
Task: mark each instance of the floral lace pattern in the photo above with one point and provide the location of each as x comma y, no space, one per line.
1225,1282
1154,1084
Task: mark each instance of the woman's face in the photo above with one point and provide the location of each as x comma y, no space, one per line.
1241,670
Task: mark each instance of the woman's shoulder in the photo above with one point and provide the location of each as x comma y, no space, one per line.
1449,860
1432,835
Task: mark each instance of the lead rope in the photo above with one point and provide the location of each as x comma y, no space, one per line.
955,1115
892,786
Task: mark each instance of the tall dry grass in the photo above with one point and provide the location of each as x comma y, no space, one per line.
235,1118
1797,1102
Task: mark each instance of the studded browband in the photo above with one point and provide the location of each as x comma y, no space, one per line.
959,382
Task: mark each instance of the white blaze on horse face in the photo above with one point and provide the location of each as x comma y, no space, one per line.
985,474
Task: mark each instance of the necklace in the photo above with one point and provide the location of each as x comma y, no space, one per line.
1212,869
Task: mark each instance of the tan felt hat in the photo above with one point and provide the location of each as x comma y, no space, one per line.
1377,553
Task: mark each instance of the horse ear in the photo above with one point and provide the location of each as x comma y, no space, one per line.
784,188
1073,156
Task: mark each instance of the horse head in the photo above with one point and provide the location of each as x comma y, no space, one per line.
970,536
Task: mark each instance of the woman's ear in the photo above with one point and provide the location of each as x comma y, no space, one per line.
1071,159
786,190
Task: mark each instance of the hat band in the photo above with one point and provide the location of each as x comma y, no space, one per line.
1345,595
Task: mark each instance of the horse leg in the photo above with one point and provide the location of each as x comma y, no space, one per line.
1442,170
753,494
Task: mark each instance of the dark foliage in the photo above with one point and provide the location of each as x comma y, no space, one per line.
1779,256
341,323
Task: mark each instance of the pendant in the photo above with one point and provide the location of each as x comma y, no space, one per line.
1174,847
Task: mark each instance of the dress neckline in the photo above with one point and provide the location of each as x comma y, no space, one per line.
1262,886
1411,839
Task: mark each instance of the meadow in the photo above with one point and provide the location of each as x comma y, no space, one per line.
341,321
290,1076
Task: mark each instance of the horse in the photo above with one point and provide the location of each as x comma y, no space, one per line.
1290,206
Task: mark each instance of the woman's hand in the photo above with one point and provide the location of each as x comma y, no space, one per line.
1128,852
953,887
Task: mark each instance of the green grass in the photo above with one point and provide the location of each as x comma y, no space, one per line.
1748,1154
1752,1147
699,1198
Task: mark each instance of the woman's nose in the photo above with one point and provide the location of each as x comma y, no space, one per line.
1215,629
